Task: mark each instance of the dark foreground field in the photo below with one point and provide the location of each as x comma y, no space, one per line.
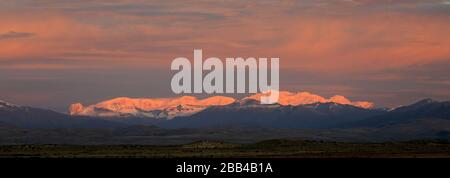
264,149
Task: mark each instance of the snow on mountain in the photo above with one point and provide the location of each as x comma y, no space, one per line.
7,106
148,107
302,98
188,105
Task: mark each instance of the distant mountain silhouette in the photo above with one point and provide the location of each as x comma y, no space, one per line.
29,117
423,109
247,112
250,113
243,120
168,108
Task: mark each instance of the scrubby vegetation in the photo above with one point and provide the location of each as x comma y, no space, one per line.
263,149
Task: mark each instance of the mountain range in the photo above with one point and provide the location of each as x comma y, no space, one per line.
168,108
30,117
303,115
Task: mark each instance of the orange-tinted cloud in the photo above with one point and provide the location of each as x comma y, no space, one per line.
358,48
305,34
367,43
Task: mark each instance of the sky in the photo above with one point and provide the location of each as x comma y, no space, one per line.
57,52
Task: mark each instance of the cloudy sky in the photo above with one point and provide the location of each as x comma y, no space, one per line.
57,52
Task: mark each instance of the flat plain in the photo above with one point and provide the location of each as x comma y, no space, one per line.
264,149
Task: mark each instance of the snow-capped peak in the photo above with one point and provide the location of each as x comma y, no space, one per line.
302,98
188,105
6,104
149,107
